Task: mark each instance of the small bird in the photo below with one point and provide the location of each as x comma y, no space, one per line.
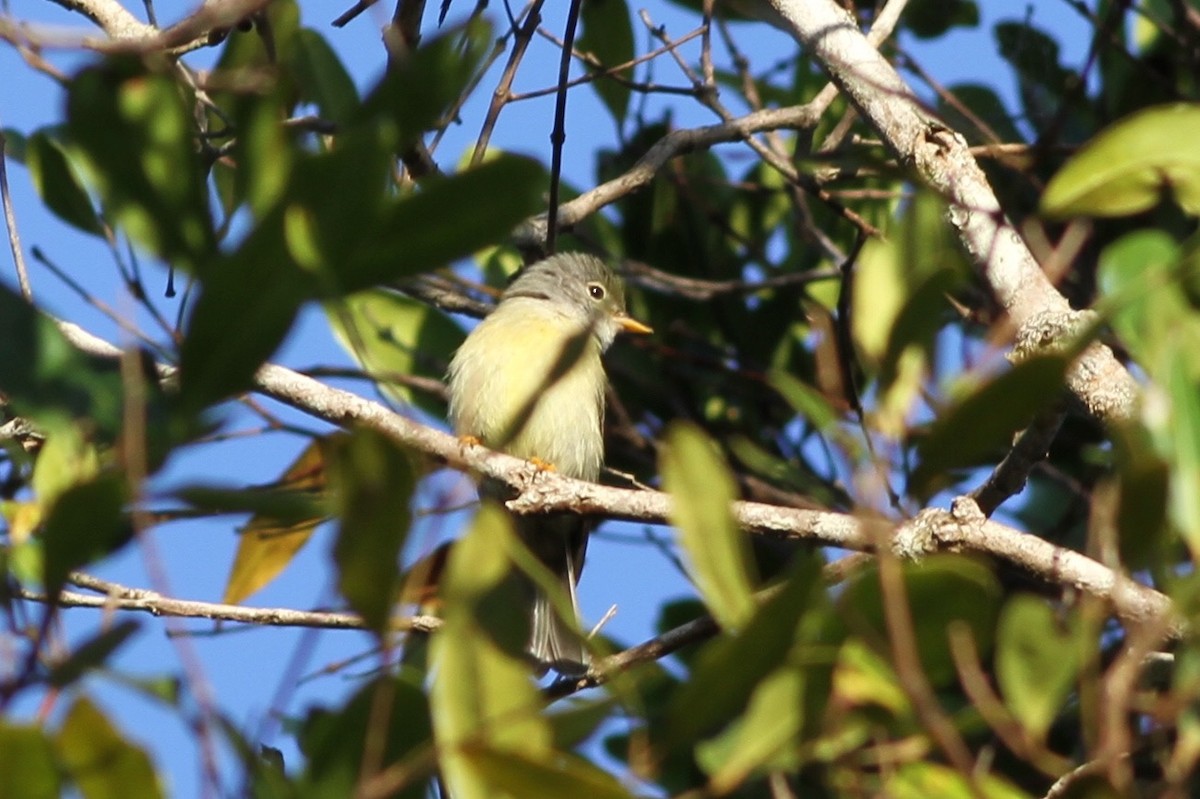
529,381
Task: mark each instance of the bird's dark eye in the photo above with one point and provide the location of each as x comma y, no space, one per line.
595,291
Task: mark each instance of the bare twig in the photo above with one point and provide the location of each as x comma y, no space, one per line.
558,135
119,597
10,221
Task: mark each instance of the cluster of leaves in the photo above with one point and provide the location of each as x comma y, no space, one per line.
794,384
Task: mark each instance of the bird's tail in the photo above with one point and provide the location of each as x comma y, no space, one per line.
553,641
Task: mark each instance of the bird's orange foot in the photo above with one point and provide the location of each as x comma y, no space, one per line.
470,441
542,466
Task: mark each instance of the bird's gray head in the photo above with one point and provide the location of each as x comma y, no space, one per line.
581,286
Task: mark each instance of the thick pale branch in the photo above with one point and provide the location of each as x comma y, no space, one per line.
539,491
941,157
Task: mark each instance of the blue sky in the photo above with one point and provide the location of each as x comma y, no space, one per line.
246,669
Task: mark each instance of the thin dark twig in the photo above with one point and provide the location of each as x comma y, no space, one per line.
504,89
10,220
1009,476
344,18
558,135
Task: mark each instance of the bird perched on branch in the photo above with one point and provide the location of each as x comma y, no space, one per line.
529,381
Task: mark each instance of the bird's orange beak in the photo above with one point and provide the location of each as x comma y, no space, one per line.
631,325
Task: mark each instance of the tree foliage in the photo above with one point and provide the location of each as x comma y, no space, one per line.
954,335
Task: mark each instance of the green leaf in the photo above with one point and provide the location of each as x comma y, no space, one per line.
1139,277
372,481
390,334
977,596
986,420
929,19
702,494
1043,82
608,35
58,185
428,230
86,522
101,763
482,696
421,86
27,766
863,678
765,735
924,780
92,654
1038,657
264,154
728,669
46,379
388,714
66,459
518,774
117,111
246,307
321,76
1184,428
1131,165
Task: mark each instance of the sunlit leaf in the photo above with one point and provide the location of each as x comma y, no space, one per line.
924,780
27,766
863,678
268,543
119,111
1038,657
728,669
86,522
702,493
518,774
99,760
66,459
481,697
56,182
392,337
763,737
1130,166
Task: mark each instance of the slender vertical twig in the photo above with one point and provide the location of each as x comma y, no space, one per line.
559,135
10,219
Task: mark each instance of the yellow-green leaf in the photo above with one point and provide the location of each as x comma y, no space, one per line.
559,774
102,763
27,767
393,337
1129,166
702,492
1038,656
481,696
268,544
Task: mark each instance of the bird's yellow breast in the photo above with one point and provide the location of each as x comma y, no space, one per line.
503,391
